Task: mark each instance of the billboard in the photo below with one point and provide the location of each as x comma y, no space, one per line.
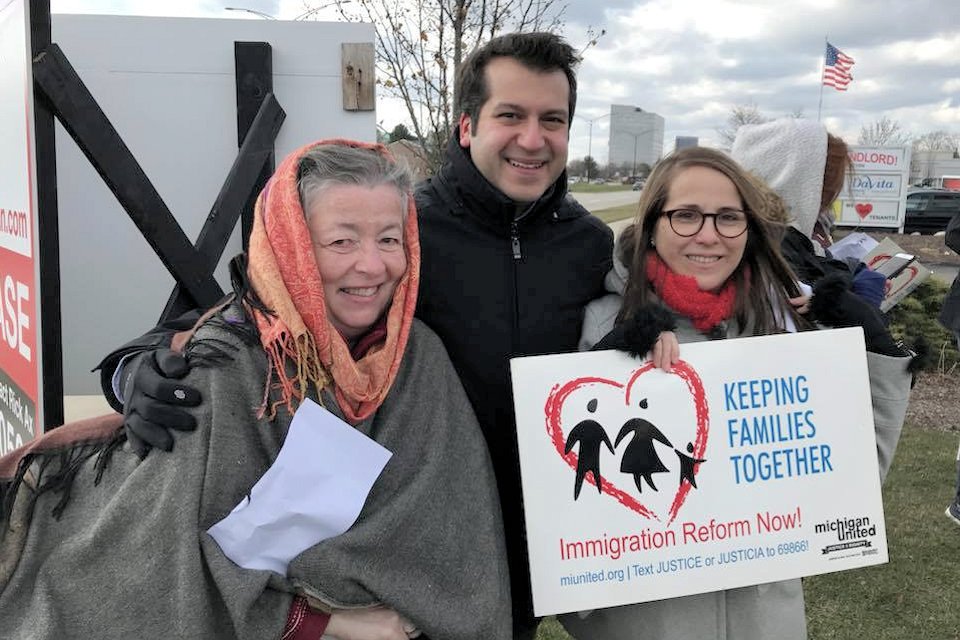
19,299
875,191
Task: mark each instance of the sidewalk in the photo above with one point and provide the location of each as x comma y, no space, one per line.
79,407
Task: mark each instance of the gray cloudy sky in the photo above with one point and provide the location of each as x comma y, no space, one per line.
691,61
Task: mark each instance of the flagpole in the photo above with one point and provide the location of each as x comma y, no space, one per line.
822,54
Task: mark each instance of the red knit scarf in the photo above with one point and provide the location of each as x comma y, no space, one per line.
705,309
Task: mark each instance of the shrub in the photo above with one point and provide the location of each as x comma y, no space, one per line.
916,315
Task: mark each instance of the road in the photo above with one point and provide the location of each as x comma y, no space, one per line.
606,200
944,272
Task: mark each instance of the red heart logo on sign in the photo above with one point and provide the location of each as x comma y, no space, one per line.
863,210
559,394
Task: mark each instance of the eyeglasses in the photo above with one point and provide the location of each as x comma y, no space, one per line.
688,222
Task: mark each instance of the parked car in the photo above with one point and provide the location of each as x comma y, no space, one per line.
929,210
638,185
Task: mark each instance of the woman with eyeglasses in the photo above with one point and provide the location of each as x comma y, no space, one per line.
704,245
702,258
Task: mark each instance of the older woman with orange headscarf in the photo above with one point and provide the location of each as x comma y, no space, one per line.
322,313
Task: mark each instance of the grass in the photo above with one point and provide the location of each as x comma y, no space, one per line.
616,213
916,594
584,187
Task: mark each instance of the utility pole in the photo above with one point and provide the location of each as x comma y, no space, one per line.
590,121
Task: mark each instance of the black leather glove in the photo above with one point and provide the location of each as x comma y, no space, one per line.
835,305
639,333
153,397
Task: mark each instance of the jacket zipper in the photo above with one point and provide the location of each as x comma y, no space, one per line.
517,255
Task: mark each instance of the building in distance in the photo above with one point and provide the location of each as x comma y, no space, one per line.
636,136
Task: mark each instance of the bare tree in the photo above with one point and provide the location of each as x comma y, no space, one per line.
883,133
740,115
925,148
936,141
420,45
576,167
591,167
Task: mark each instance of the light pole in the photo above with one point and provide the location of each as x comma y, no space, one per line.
267,16
636,138
590,121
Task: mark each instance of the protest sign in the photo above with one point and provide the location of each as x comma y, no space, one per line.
753,461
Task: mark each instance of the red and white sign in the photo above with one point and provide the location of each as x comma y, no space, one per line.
753,461
874,194
19,299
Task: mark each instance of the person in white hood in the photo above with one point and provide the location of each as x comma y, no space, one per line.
805,165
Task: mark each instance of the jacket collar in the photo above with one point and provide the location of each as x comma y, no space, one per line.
483,200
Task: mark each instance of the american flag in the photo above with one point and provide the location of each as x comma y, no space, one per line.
836,73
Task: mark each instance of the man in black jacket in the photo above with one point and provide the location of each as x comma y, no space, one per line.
509,260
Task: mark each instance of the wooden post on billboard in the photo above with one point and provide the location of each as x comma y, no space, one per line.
51,393
254,77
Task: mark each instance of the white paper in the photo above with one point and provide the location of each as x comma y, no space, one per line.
313,491
854,245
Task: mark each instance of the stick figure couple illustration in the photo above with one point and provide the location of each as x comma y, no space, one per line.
639,457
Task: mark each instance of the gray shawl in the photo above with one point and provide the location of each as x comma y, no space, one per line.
130,557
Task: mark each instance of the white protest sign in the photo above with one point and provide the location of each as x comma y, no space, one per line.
753,461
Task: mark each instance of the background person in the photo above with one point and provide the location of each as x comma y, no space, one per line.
806,165
950,318
704,246
509,259
323,311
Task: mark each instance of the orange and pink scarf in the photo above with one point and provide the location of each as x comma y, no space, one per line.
302,345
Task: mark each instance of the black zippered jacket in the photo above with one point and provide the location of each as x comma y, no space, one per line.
497,283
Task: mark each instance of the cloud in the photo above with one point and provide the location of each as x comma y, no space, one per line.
691,61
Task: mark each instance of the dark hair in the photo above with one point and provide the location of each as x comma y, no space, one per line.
540,51
837,165
762,290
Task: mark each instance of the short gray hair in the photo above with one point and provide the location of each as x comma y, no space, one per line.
326,165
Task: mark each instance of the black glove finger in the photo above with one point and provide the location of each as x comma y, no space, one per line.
148,432
139,447
171,364
173,392
150,381
160,413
